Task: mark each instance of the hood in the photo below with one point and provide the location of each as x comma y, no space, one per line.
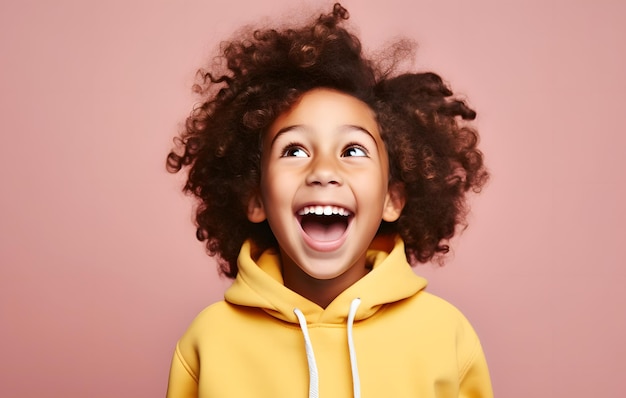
259,284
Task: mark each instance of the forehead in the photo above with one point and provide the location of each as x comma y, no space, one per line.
326,109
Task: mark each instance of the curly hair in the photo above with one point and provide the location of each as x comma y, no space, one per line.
433,154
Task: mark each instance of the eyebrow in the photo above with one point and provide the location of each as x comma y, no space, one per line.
343,128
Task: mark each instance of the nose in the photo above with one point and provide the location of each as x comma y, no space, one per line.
324,171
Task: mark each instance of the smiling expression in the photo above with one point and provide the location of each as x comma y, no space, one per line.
324,185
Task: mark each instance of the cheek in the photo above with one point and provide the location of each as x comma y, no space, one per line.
371,187
268,175
276,190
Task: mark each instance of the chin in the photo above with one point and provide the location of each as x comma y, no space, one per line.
322,274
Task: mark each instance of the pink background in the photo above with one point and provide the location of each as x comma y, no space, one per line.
100,272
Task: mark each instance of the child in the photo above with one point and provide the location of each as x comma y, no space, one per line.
320,179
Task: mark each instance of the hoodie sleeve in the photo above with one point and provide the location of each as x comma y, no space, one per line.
474,376
183,383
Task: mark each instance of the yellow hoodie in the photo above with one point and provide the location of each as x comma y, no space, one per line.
382,337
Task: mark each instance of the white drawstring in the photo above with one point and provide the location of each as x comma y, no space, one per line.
356,382
310,356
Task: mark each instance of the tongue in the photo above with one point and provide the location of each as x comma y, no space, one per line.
324,232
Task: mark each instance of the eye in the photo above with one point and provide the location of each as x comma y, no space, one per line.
294,150
355,150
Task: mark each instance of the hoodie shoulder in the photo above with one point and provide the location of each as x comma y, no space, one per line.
446,319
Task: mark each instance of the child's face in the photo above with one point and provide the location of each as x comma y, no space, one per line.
324,184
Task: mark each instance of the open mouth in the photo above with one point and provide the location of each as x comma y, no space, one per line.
324,223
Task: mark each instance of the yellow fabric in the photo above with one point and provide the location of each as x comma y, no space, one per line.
408,342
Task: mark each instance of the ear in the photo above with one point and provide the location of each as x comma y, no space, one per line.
256,211
394,202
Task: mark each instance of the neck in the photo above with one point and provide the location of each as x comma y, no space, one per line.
320,291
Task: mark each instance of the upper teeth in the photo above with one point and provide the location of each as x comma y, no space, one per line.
324,211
